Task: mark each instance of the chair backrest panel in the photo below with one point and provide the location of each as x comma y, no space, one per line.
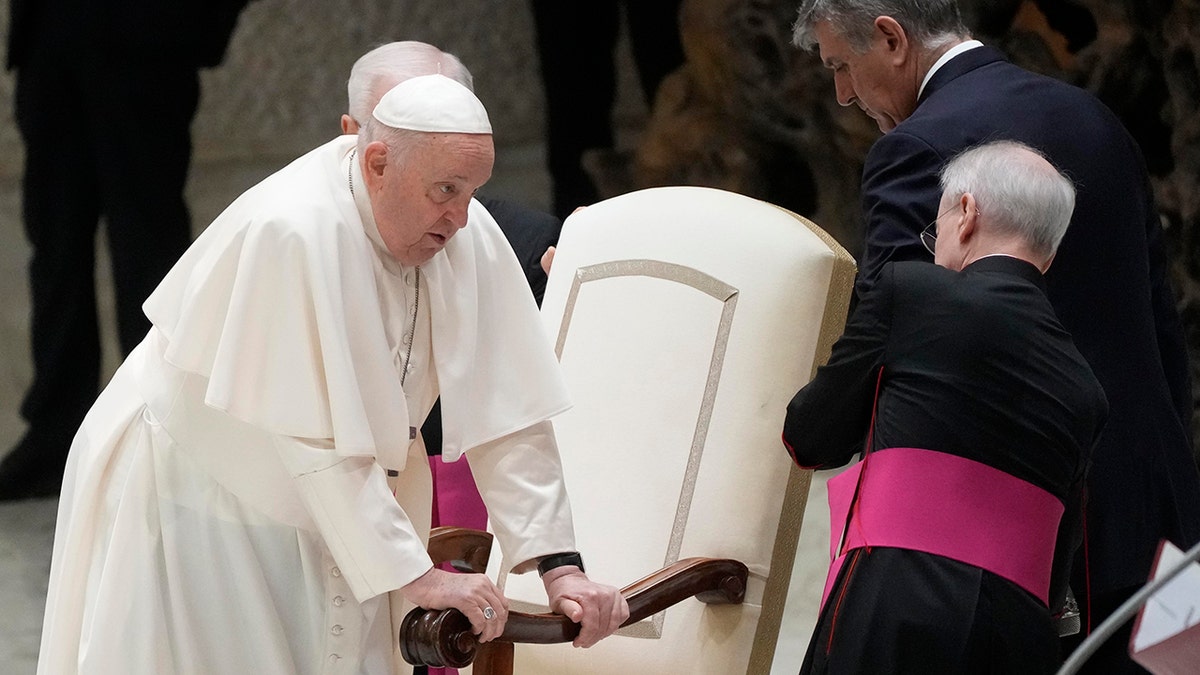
685,318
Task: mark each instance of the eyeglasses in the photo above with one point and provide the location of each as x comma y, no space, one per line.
929,234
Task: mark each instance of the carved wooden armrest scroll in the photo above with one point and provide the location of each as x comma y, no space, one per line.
443,638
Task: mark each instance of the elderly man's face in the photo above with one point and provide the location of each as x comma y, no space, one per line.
421,201
869,80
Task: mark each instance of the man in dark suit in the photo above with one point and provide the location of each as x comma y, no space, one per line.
959,374
105,96
576,43
933,91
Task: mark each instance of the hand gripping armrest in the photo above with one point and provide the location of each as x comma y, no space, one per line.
443,638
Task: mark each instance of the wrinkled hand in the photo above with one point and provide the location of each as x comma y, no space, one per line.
599,609
468,593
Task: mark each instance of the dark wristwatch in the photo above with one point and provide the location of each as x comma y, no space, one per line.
559,560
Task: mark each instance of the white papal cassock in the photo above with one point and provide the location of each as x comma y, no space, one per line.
225,508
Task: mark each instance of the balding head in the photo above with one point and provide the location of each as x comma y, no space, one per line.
384,67
1017,200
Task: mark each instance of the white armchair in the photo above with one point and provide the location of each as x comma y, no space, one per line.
685,318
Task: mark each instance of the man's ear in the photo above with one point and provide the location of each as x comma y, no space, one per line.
375,160
894,39
349,126
970,217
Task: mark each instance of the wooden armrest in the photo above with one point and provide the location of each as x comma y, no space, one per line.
443,638
465,549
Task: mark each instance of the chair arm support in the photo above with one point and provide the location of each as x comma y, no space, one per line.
465,549
443,638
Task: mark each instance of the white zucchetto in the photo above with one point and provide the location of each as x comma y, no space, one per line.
433,103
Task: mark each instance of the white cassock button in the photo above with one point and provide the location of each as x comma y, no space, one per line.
334,658
409,368
407,339
409,277
335,572
338,601
337,629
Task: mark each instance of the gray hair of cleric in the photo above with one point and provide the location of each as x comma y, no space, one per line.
1015,193
383,68
929,23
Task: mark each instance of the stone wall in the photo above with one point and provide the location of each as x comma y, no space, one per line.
281,88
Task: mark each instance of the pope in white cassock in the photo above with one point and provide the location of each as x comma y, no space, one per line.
249,493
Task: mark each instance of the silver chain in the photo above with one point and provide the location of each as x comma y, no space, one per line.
412,329
417,299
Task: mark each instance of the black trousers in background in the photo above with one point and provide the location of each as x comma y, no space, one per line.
104,138
576,42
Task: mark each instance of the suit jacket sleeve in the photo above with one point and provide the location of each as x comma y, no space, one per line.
900,193
827,420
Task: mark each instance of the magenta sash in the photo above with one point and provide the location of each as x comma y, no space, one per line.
949,506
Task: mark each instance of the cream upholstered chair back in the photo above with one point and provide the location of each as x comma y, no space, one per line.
685,319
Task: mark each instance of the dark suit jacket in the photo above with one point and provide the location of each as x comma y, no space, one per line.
975,364
1108,284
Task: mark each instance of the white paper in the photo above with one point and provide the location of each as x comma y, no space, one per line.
1175,607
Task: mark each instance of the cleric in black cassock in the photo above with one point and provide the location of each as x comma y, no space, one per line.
979,414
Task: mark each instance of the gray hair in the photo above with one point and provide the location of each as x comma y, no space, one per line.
1017,190
384,67
400,142
929,23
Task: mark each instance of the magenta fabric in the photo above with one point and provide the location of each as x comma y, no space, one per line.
456,502
950,506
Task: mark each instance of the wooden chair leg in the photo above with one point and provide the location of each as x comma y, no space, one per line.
494,658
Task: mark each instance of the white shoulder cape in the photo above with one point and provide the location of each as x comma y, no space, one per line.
276,303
